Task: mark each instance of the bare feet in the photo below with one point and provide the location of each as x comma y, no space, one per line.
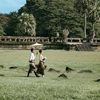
42,75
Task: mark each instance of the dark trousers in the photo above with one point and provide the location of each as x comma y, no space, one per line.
32,68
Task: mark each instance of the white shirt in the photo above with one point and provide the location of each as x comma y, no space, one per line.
32,57
41,57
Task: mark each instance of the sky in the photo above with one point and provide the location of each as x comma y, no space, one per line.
7,6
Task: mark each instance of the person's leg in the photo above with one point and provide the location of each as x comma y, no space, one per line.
34,69
42,75
42,72
30,70
36,73
28,73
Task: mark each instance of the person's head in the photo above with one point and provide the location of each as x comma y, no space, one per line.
40,51
32,50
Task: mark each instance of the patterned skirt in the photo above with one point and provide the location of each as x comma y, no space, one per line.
40,69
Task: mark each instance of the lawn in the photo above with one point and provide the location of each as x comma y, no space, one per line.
14,85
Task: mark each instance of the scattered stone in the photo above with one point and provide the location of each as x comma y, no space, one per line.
1,66
86,71
1,75
53,70
98,80
64,76
45,66
68,69
13,67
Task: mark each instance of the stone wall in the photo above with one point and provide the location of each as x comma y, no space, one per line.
24,42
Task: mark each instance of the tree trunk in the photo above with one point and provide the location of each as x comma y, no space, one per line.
85,26
93,26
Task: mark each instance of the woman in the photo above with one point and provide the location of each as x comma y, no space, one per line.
41,67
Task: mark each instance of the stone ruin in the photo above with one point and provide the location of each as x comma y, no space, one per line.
92,35
65,35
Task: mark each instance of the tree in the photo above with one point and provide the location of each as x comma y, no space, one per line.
83,7
4,19
26,25
2,31
97,29
54,16
94,15
12,24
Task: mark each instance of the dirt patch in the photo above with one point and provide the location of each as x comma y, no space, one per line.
64,76
2,75
13,67
85,71
1,66
53,70
69,69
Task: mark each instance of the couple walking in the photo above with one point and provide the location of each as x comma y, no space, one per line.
40,67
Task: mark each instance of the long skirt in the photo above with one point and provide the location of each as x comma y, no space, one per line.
40,69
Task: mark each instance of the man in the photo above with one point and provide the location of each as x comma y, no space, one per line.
32,63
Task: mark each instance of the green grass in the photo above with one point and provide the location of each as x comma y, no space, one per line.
79,86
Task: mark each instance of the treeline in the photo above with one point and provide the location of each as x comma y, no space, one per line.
46,18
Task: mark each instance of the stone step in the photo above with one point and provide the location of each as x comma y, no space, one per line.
84,47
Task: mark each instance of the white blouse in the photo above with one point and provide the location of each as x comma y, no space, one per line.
41,57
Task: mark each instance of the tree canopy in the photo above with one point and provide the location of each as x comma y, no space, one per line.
50,17
26,24
2,31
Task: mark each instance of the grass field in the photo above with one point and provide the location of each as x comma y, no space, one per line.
79,86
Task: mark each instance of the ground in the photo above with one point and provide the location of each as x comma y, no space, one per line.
14,85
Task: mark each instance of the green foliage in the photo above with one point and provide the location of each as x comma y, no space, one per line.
97,30
91,8
26,25
79,86
94,14
12,23
2,31
4,19
82,6
54,16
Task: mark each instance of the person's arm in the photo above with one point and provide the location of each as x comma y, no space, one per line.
35,55
40,57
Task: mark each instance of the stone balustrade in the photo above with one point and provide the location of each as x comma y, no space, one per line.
20,39
74,40
44,40
60,39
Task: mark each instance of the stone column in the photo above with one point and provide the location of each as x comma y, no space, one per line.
32,40
95,41
19,40
52,39
38,40
10,39
35,40
71,40
66,39
15,40
42,40
79,40
48,40
5,39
